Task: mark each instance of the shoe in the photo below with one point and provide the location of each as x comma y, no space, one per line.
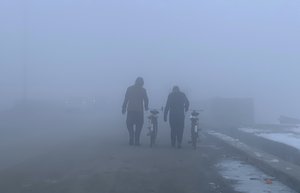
178,146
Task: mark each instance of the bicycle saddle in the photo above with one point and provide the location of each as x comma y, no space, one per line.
195,113
154,112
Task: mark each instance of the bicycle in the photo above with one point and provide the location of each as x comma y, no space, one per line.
153,126
194,128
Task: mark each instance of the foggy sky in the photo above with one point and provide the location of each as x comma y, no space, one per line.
211,48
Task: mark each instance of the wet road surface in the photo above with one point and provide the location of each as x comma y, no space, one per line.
101,161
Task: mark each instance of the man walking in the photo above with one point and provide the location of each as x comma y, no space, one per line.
177,104
135,100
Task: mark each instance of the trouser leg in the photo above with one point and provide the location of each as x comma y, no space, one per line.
131,133
179,136
177,125
137,134
139,122
173,136
130,124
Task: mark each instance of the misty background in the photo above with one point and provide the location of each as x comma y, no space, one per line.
97,48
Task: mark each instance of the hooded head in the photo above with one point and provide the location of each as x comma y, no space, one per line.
139,81
176,89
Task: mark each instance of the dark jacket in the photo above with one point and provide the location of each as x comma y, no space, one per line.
177,104
134,98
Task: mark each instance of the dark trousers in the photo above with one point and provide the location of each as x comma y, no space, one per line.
135,121
176,136
177,127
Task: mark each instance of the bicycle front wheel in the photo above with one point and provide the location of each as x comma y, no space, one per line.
153,134
194,138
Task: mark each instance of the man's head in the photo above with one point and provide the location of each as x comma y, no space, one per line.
176,89
139,81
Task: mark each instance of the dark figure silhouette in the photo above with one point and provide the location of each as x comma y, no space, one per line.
177,104
135,100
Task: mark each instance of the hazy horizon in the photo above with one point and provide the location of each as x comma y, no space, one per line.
98,48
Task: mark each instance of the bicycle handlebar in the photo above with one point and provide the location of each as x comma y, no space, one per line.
197,110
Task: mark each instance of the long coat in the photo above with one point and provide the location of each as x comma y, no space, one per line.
177,104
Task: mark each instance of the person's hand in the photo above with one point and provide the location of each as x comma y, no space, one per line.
123,111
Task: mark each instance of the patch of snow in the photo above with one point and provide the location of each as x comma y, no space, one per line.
289,137
249,179
257,154
274,160
295,130
250,130
224,137
285,138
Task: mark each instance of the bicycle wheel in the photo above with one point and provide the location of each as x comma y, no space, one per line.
194,137
152,135
152,139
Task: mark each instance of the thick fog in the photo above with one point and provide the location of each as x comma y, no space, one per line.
97,48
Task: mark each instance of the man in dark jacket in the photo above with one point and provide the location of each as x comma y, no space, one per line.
135,100
177,104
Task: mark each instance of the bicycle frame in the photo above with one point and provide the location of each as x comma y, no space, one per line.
153,126
194,128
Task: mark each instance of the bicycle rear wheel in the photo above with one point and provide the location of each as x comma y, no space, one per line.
194,137
152,139
153,134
